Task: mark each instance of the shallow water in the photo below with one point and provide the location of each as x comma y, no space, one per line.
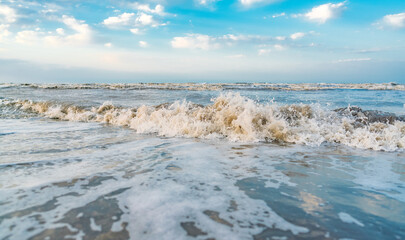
87,179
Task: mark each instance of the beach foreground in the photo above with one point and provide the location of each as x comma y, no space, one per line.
202,161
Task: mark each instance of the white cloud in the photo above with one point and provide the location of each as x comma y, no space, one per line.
60,31
50,8
83,32
278,15
271,48
207,2
27,37
235,38
121,20
108,45
143,44
135,31
205,42
279,47
395,20
46,11
4,32
353,60
230,39
324,12
248,3
297,35
195,41
158,10
263,52
280,38
7,14
145,19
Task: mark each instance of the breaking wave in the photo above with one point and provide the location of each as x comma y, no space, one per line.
238,118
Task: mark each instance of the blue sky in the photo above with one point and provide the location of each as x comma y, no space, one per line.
202,40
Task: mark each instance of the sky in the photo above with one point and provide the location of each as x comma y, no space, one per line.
62,41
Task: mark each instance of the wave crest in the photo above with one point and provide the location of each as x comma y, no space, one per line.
215,86
237,118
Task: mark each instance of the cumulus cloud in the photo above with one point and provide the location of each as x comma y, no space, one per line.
394,20
297,35
60,31
206,42
195,41
280,38
158,10
81,34
278,15
144,17
27,37
279,47
7,14
50,8
256,39
324,12
120,20
206,2
130,19
267,49
4,32
249,3
135,31
143,44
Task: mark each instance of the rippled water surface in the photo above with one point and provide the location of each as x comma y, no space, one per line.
218,164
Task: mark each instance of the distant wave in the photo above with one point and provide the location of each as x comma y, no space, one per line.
238,118
217,86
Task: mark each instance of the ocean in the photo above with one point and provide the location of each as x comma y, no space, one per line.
202,161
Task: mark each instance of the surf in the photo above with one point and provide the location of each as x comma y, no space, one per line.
236,118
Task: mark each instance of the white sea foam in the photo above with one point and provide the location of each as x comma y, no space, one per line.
94,226
235,118
170,181
345,217
157,201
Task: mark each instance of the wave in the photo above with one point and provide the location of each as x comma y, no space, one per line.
238,118
217,86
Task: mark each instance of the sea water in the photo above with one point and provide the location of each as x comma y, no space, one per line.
202,161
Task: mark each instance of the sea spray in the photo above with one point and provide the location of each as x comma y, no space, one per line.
238,119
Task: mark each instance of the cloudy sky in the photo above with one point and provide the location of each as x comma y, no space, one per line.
202,40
